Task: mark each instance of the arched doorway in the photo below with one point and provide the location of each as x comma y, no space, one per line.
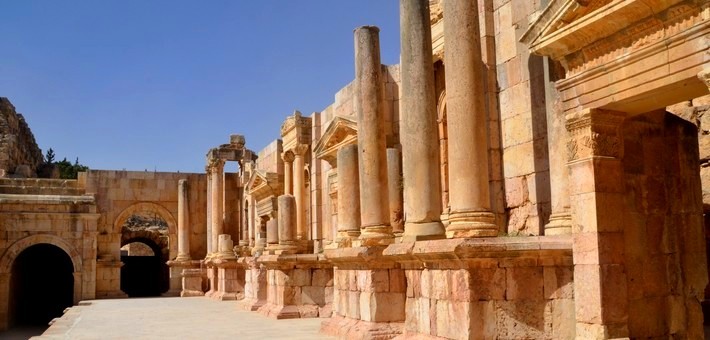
144,272
41,286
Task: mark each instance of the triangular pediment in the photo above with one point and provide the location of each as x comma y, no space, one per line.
566,26
340,132
263,184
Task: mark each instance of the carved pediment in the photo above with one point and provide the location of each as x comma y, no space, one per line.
340,132
264,184
566,26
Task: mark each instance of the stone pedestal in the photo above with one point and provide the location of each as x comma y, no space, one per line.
418,129
349,190
254,284
368,297
230,275
176,276
469,197
193,282
298,286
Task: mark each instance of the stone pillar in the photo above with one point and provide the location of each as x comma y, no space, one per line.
251,218
418,131
272,232
349,192
217,194
372,158
287,223
299,190
208,231
288,172
469,196
183,223
394,183
560,218
596,179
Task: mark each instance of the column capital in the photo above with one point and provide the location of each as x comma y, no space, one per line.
704,76
287,156
214,164
593,133
300,149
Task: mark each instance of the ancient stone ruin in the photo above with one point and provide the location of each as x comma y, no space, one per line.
528,171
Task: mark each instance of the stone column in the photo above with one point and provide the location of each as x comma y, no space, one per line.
287,223
217,194
372,156
560,218
349,190
299,190
272,232
244,239
394,183
183,223
208,231
469,196
288,172
418,131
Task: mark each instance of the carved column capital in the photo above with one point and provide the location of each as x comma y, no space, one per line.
704,76
300,149
593,133
287,156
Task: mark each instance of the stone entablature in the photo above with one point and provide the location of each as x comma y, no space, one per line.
648,59
296,130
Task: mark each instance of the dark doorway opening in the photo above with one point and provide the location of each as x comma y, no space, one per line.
144,275
41,287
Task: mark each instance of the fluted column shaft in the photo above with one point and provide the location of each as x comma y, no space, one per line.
469,196
183,223
418,131
217,194
299,190
348,195
372,157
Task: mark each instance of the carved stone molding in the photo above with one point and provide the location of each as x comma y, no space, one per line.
594,133
287,156
340,132
296,129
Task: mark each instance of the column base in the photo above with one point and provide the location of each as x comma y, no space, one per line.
560,224
225,296
422,231
345,238
252,305
465,224
380,235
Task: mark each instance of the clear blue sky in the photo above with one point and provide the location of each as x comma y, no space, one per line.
140,84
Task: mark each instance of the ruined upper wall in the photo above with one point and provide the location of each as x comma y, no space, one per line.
17,144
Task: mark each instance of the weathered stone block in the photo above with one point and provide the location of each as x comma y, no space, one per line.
313,295
524,283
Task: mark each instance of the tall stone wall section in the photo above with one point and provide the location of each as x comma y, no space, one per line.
523,124
17,143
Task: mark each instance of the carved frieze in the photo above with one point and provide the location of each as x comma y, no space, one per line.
594,133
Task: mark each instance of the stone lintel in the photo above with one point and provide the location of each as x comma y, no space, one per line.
226,263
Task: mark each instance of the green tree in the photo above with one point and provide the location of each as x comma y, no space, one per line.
49,157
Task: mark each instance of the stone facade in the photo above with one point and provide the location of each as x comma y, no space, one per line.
528,171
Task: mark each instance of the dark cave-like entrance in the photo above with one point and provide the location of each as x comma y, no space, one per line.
41,287
144,273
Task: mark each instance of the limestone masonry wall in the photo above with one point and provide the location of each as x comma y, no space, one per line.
17,143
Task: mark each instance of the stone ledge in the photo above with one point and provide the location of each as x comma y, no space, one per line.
46,199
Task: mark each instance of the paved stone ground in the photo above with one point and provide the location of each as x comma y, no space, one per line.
174,318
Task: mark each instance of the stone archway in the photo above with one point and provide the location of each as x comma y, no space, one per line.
155,209
145,274
41,246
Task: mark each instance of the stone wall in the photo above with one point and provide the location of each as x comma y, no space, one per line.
523,124
17,143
